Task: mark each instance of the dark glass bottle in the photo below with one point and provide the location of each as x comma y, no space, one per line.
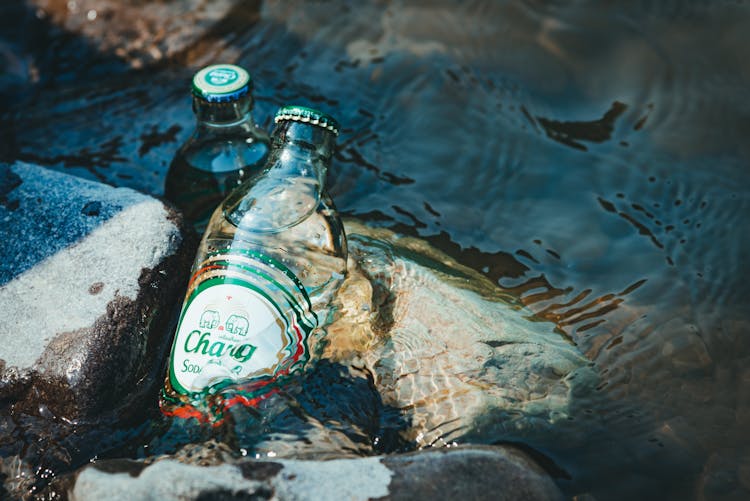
225,148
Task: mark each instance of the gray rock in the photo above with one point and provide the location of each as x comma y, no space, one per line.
89,277
495,473
460,358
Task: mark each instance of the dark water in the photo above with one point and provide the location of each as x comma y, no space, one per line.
588,156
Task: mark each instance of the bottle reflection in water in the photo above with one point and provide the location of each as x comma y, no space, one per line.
225,148
269,263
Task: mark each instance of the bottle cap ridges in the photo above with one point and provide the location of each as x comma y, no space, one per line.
307,115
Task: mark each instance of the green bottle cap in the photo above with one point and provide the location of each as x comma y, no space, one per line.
221,83
307,115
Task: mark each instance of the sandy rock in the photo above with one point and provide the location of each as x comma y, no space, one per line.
460,358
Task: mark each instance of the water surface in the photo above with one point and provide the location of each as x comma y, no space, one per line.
589,157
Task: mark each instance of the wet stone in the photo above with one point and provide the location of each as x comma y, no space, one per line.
471,472
84,294
505,473
167,479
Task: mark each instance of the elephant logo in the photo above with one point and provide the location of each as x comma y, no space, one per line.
237,324
209,319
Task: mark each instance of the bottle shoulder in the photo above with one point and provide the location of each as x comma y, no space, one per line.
315,249
245,134
273,200
320,229
227,151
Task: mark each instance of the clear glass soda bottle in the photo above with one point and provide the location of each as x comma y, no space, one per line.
269,263
225,147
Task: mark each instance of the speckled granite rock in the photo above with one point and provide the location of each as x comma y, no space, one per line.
477,473
89,276
460,358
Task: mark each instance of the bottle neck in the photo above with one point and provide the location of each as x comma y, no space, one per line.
291,186
305,140
219,115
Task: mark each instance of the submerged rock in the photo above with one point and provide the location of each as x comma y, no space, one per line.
88,280
461,359
495,473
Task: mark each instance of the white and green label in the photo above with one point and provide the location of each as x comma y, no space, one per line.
245,317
